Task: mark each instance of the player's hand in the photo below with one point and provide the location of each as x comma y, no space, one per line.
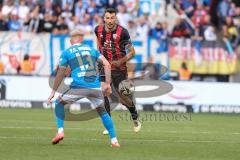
117,63
106,88
51,97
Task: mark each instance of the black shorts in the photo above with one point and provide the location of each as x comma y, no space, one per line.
117,77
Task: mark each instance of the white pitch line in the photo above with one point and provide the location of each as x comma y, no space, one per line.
24,121
123,130
126,140
204,141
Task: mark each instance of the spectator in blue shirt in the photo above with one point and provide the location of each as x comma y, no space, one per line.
188,7
160,34
223,10
13,23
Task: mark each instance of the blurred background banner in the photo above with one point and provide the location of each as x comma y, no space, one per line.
16,45
209,57
44,51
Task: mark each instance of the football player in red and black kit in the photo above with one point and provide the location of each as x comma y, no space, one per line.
114,42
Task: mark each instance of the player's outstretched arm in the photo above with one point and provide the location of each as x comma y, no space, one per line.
58,80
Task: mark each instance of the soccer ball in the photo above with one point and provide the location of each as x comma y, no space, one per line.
126,88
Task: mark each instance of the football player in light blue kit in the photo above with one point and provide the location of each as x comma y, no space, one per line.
82,60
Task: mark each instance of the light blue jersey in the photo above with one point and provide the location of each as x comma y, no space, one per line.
82,60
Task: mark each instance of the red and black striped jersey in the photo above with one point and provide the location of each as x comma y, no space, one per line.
113,45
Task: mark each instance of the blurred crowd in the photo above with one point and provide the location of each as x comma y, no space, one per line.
211,21
61,16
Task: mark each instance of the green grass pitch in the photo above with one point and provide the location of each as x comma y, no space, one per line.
25,134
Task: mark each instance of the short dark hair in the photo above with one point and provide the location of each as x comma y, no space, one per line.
184,65
26,57
110,10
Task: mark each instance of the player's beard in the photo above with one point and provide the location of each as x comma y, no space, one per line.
111,26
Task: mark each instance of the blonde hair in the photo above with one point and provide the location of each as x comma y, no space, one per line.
76,36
